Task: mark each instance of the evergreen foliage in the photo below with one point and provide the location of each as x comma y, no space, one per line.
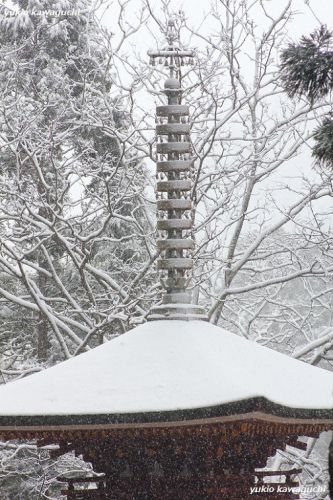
323,136
307,70
70,197
307,67
66,183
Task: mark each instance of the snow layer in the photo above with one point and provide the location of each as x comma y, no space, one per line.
168,365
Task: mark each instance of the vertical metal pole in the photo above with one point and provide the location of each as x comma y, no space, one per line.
173,190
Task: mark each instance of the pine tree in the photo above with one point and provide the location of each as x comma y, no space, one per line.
307,70
59,128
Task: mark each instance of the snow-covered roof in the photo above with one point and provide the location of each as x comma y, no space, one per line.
168,365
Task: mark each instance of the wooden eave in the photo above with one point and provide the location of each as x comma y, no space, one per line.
255,417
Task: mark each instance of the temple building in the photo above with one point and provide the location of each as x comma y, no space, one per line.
176,408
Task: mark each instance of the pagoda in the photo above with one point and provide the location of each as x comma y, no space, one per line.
176,408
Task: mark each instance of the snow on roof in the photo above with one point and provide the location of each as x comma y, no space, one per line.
168,365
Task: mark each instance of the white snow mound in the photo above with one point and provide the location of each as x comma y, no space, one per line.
168,365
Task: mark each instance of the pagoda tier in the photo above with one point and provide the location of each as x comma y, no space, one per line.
174,171
159,422
213,457
181,409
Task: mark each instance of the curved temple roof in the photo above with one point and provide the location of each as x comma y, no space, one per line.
168,366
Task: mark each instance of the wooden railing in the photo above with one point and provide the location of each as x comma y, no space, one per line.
88,493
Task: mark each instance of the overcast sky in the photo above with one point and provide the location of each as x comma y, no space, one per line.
308,14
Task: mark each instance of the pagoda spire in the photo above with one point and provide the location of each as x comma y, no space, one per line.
173,188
